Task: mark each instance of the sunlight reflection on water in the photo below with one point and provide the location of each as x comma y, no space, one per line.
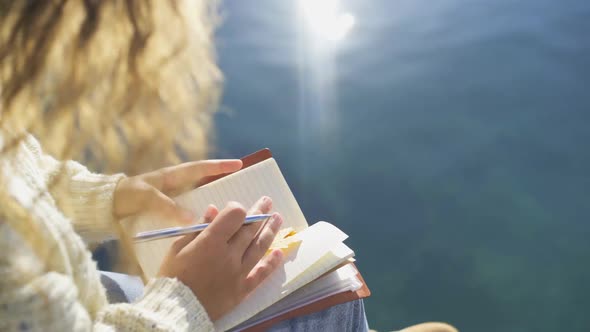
449,135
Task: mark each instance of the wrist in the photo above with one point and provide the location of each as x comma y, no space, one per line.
117,204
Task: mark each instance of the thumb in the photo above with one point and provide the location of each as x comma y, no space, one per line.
163,206
176,179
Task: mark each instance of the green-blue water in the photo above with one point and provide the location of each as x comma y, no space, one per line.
449,138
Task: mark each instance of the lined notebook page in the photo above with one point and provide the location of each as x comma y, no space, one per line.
245,186
321,249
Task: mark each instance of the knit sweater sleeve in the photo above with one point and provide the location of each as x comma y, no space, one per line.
32,299
86,198
167,305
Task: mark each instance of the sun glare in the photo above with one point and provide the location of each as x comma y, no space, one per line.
325,19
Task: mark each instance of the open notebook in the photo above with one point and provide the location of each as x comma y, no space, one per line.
314,275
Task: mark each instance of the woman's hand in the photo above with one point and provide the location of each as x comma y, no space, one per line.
225,262
151,193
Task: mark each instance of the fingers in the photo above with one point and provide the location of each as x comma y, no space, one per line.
241,240
263,205
262,270
227,222
260,244
210,214
175,178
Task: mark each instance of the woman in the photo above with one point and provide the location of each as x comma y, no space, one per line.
128,84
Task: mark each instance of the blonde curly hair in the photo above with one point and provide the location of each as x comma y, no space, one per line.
126,85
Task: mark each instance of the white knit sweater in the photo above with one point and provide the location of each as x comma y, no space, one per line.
48,280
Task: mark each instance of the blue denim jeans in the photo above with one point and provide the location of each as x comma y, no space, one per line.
344,317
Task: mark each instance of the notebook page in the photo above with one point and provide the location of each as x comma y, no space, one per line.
149,254
341,280
341,251
317,240
245,186
314,291
320,250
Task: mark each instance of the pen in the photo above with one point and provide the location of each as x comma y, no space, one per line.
177,231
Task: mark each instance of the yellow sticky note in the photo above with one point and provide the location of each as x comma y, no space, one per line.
284,240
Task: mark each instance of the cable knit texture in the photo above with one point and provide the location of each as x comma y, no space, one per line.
48,280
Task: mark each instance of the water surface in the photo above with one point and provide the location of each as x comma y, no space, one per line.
449,138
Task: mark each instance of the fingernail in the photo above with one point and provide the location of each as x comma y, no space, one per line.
265,201
231,165
277,220
209,212
277,255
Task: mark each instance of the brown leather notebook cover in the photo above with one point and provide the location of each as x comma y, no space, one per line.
247,161
320,305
